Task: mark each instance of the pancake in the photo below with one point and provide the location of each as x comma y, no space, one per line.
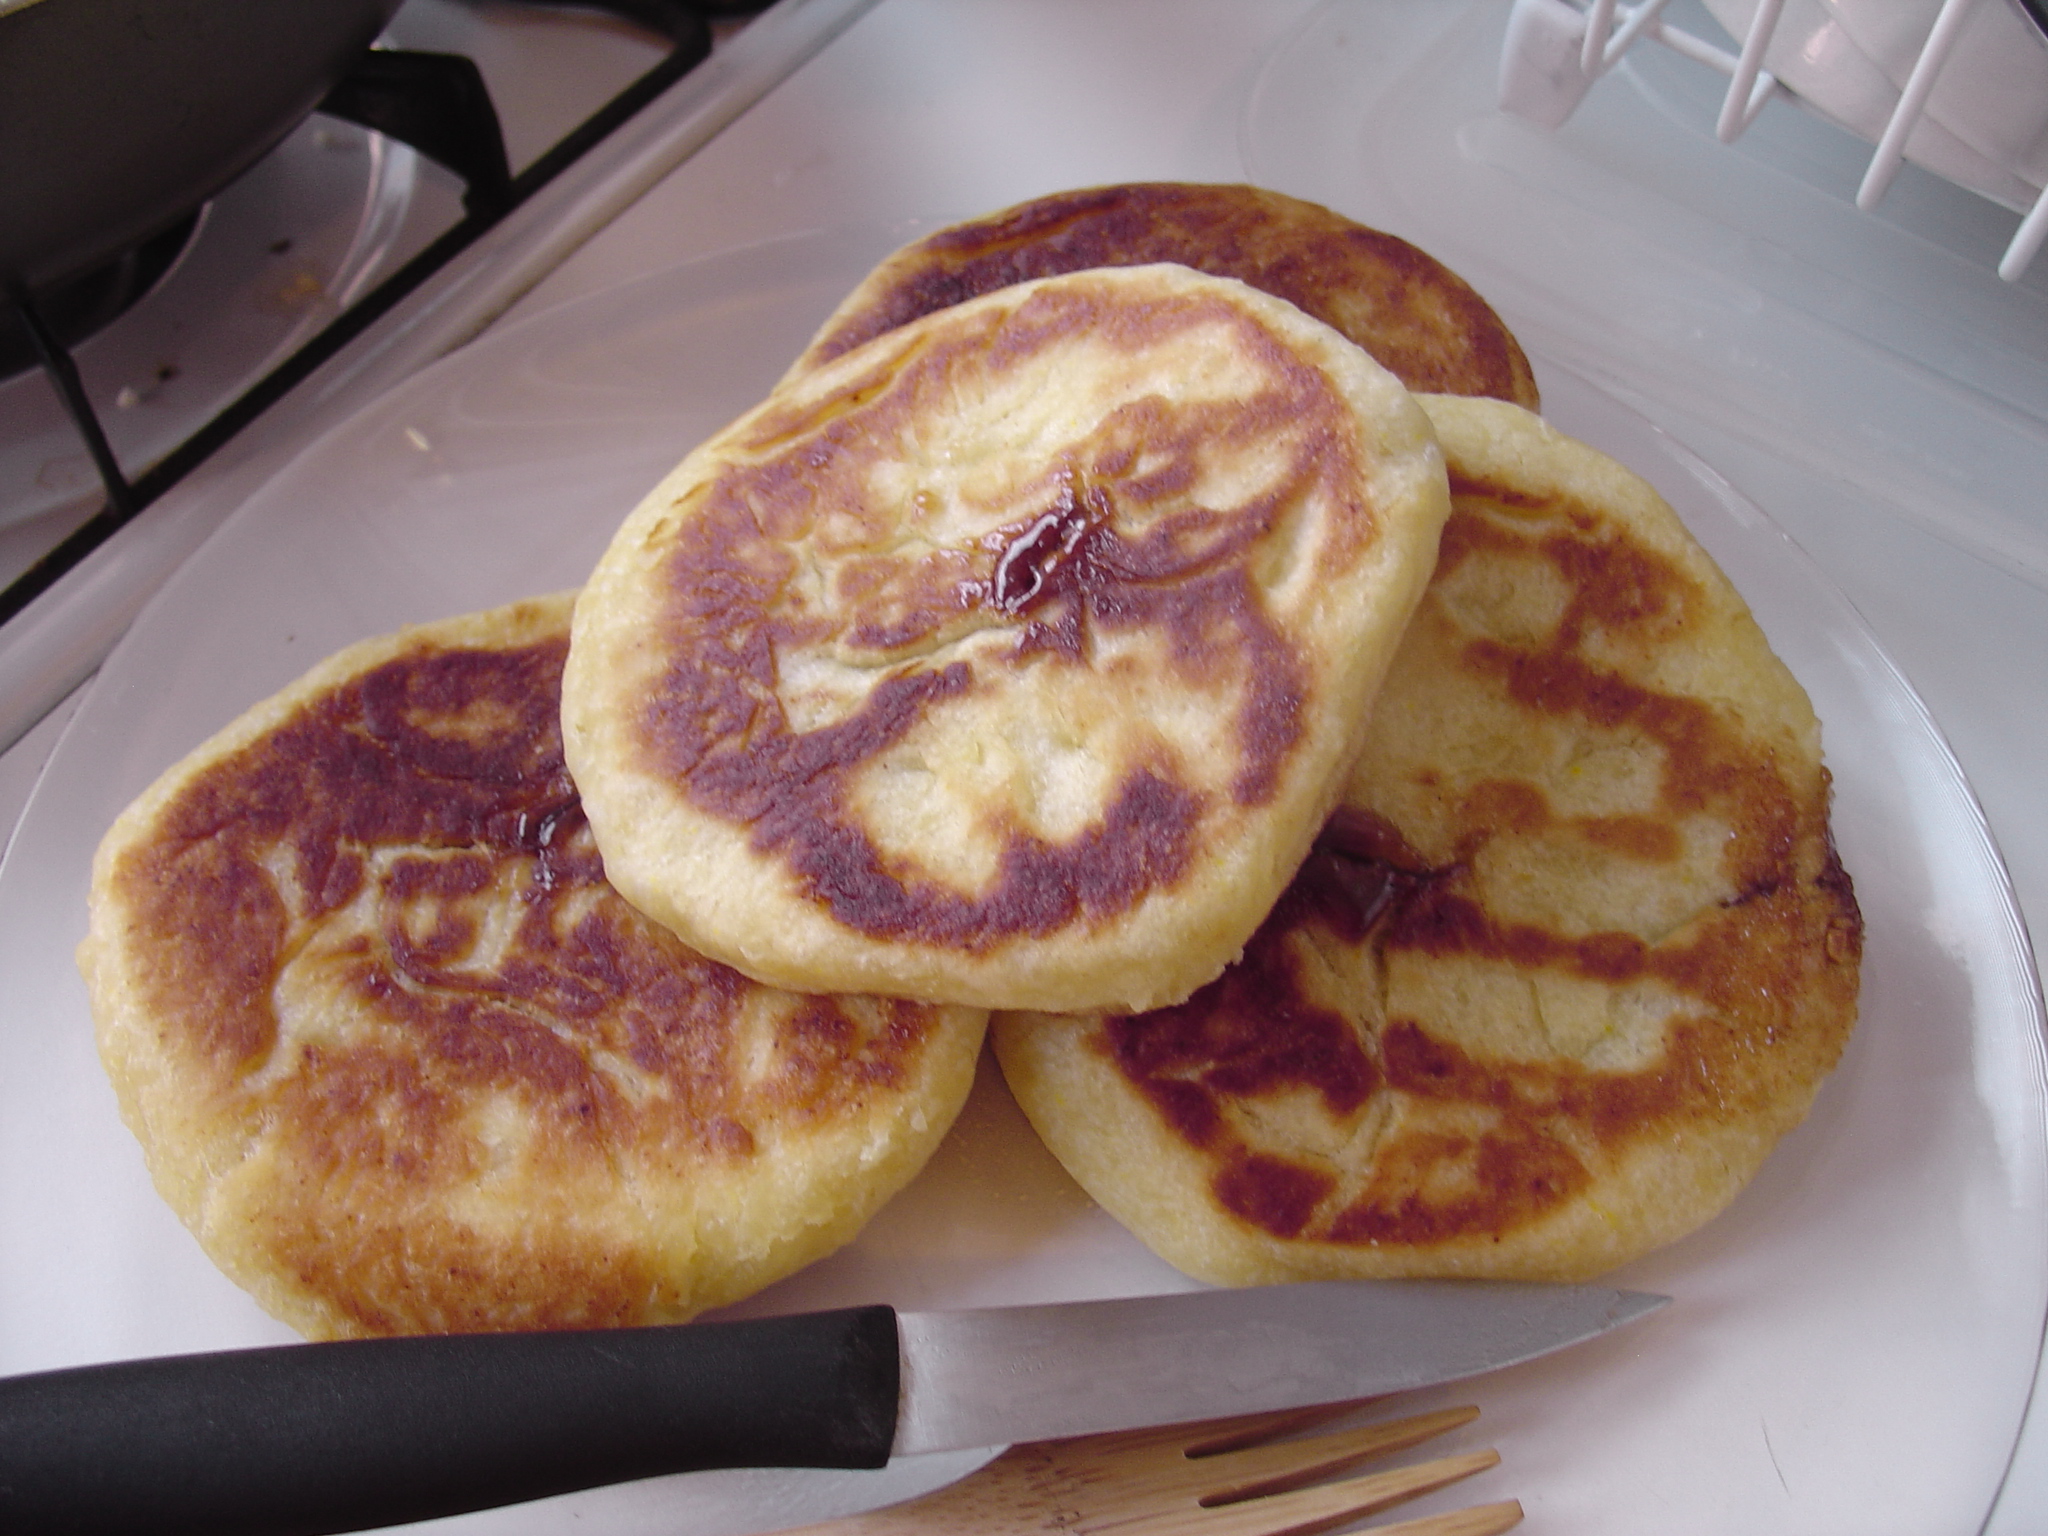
1411,312
1014,658
1574,954
404,1063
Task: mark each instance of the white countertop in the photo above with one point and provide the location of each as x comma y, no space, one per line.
927,110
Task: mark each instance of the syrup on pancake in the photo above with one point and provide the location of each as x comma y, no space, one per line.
1013,658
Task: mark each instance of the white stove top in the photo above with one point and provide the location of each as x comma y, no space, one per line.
924,111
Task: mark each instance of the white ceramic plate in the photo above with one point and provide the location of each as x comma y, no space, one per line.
1850,1345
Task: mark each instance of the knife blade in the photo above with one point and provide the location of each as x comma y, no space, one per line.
299,1440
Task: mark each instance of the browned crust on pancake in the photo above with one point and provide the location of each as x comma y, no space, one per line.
1109,546
780,545
1419,319
324,958
1486,1149
1433,1156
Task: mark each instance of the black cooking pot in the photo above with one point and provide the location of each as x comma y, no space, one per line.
118,117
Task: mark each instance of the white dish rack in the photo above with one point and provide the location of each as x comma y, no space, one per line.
1555,49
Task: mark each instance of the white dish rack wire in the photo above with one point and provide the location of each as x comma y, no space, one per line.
1555,49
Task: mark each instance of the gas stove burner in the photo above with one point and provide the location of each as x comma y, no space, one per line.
263,267
83,306
144,372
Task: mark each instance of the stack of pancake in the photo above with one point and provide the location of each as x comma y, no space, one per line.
1152,625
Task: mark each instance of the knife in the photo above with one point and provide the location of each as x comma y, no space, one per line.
310,1438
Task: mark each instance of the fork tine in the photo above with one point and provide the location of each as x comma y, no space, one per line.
1171,1442
1232,1434
1257,1470
1480,1520
1318,1508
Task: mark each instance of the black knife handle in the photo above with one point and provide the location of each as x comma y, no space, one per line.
312,1438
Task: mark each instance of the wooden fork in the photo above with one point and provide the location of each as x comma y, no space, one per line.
1227,1477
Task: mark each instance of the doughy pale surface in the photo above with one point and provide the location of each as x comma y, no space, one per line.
405,1063
1014,658
1417,317
1571,958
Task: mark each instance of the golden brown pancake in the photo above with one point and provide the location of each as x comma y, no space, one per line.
1014,658
405,1063
1573,955
1412,313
